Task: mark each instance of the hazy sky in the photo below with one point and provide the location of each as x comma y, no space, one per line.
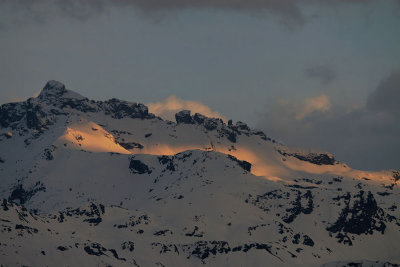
323,74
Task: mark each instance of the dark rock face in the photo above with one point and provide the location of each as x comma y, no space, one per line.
62,248
199,118
128,245
28,229
115,254
262,135
94,221
229,134
95,249
242,163
54,94
396,176
163,232
135,221
262,201
308,241
239,128
204,250
9,114
302,203
364,217
195,232
25,115
139,167
120,109
4,204
231,137
52,89
297,207
228,131
33,116
296,239
184,117
211,124
168,161
242,126
48,152
48,155
12,113
92,214
22,195
78,104
131,145
318,159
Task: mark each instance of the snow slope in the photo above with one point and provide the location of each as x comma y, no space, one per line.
100,183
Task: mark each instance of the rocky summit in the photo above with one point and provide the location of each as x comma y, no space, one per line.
107,183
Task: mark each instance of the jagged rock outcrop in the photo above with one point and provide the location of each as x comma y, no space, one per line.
107,183
121,109
314,158
184,117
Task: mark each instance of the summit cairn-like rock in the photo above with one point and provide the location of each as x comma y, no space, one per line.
52,89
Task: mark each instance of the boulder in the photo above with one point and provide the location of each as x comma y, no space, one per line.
184,117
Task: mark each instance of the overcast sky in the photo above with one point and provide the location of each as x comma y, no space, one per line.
322,74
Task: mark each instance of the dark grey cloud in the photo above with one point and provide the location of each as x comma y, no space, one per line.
81,10
364,137
23,12
288,11
386,97
325,74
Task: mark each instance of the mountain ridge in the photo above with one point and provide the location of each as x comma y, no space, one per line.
108,183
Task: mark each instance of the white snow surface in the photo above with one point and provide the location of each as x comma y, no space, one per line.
90,183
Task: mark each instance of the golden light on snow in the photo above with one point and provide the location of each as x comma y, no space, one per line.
259,166
164,149
91,137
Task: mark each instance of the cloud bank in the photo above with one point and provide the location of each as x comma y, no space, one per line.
290,12
167,108
323,73
386,98
81,9
360,136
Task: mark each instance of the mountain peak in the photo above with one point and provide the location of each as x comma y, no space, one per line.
52,88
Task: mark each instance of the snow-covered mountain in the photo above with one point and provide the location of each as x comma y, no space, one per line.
106,183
